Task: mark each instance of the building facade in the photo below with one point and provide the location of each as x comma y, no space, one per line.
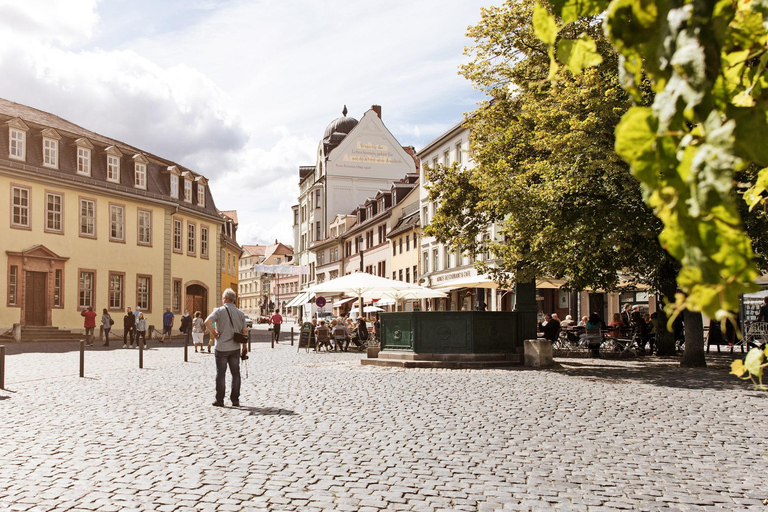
443,268
261,292
230,251
355,161
94,222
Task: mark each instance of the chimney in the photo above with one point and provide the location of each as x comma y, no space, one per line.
377,109
275,241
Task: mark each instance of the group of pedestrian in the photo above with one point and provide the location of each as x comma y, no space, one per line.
223,325
134,328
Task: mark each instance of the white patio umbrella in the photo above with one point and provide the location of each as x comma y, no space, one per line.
421,292
366,309
361,284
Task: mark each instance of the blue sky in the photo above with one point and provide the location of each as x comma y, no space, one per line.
240,91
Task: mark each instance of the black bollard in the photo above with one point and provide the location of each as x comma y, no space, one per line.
141,354
2,366
82,358
291,336
185,350
249,339
272,336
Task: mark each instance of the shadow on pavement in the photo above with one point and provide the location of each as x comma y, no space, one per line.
268,411
662,372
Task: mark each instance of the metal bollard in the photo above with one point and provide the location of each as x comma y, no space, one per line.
291,336
82,358
272,337
2,366
141,354
186,357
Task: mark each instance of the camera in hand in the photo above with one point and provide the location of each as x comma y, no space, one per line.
243,355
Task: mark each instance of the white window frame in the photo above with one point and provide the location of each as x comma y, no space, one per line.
55,215
113,168
200,194
144,235
144,293
188,191
89,218
117,223
83,161
17,144
140,175
21,209
50,153
85,289
174,186
204,242
191,239
116,287
178,236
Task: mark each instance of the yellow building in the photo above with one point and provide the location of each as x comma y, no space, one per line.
92,221
230,251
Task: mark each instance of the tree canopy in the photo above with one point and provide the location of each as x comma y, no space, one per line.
545,168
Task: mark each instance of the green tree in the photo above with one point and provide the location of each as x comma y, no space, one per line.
546,171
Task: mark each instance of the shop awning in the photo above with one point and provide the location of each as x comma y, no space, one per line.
341,302
299,300
549,284
466,282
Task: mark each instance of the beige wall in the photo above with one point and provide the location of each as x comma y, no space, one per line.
100,254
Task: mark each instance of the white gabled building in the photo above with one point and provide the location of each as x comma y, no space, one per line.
355,160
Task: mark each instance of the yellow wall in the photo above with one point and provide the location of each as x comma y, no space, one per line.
229,280
100,254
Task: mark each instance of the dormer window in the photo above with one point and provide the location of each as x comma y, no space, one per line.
140,171
140,176
113,169
200,194
51,153
174,186
188,191
113,164
84,148
17,139
201,183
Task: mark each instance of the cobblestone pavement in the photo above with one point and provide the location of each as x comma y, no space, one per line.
322,432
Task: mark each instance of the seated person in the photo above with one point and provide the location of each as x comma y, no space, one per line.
340,335
568,322
359,335
323,336
616,326
550,327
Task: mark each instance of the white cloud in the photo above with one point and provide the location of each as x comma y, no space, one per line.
65,23
240,91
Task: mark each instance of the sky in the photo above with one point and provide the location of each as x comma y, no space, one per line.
240,91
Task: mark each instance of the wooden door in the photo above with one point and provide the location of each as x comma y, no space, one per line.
197,300
35,309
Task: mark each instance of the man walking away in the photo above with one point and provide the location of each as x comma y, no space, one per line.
229,320
186,326
89,324
129,327
276,320
167,324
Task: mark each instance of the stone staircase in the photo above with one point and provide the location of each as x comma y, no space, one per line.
37,333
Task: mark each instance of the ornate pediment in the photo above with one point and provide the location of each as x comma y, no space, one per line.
37,251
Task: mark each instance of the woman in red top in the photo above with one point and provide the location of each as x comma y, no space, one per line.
616,325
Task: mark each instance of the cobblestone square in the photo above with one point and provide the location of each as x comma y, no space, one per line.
322,432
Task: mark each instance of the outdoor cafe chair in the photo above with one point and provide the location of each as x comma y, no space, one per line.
757,336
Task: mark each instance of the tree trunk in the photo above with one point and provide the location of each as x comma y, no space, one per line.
693,357
665,339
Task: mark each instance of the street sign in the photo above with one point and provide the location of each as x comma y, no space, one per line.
320,302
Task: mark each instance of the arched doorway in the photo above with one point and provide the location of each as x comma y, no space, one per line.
197,299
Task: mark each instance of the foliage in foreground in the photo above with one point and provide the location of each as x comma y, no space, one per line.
752,367
706,62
